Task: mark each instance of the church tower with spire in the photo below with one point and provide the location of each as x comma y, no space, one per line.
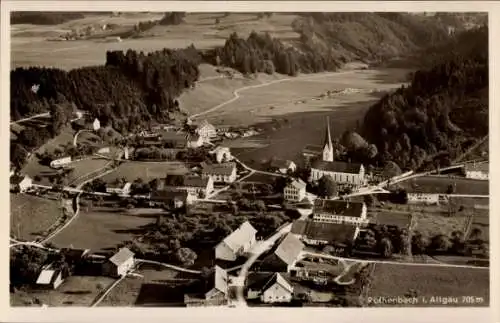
327,144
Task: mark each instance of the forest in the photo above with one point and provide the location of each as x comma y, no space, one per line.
444,109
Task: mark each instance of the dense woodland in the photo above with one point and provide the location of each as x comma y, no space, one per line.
444,109
44,18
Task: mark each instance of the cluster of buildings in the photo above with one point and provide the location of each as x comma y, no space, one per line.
52,275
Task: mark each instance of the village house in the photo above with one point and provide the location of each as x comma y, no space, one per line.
20,183
424,198
337,211
96,124
193,184
477,171
171,198
236,244
172,139
270,288
215,294
295,191
49,278
316,233
220,173
56,163
194,141
283,166
221,154
120,263
125,190
285,255
206,130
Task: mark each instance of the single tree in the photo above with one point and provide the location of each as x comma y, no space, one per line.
327,187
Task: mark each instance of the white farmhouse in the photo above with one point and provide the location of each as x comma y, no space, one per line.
220,173
49,278
425,198
237,244
295,191
125,190
222,154
20,183
96,124
56,163
277,290
283,166
206,130
120,263
477,171
337,211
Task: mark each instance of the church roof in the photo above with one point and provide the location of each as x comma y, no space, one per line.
337,166
328,137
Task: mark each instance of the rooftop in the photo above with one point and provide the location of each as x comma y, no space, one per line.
289,249
338,207
477,167
186,180
219,169
280,280
47,276
337,166
281,163
121,256
324,231
168,194
298,183
240,236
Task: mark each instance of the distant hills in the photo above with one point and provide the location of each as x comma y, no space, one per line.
443,110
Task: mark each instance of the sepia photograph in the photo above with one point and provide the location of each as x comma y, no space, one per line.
249,159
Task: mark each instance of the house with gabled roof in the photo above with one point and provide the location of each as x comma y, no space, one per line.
20,183
339,211
295,190
220,173
282,165
285,255
49,277
236,244
120,263
206,130
193,184
277,290
221,154
325,233
215,292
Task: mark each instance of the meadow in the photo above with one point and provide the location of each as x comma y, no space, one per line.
145,170
112,227
31,215
78,291
428,281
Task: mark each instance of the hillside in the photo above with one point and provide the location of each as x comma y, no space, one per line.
444,109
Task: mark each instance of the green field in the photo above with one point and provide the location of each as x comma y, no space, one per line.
427,281
401,220
78,291
31,215
101,230
84,167
439,184
127,292
433,224
145,170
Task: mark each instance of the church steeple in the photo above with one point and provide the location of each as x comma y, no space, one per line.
327,144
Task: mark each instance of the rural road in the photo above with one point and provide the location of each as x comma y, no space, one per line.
259,250
236,93
46,114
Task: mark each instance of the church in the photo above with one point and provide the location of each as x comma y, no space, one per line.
344,174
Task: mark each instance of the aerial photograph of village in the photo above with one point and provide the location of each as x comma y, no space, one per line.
249,159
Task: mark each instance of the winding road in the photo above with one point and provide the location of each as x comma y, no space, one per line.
236,93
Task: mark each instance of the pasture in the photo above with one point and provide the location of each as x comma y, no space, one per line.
128,291
145,170
399,219
84,167
427,281
439,184
31,215
101,230
74,291
30,44
432,224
